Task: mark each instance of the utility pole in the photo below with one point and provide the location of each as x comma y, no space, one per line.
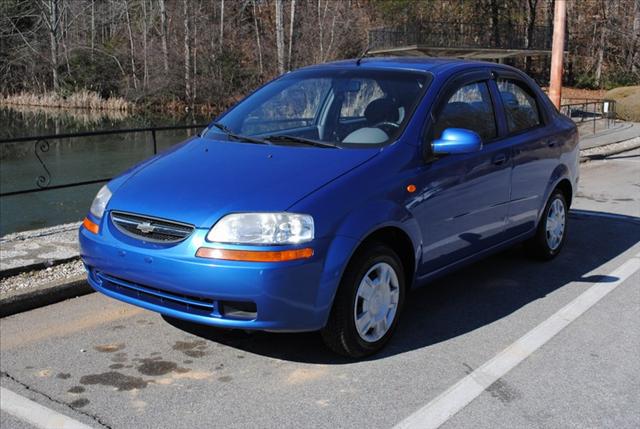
557,52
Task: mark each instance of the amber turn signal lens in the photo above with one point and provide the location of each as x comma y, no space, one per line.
255,255
90,226
411,188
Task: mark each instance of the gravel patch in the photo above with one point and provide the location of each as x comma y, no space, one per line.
37,278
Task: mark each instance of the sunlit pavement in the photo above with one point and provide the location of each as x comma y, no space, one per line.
107,364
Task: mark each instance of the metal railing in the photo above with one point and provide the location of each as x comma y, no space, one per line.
589,112
41,145
461,34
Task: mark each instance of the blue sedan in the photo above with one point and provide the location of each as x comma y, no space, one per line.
321,199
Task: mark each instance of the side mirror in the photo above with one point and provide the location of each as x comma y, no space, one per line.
457,140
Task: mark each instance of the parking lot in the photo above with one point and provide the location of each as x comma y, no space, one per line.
544,344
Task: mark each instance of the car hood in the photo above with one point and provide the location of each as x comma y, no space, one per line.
201,180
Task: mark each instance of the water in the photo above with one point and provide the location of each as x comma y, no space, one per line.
69,160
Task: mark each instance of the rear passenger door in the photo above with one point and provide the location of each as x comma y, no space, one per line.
462,207
535,150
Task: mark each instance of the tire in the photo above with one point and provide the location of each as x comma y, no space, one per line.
546,245
341,334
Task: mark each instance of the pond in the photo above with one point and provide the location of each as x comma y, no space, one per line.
69,160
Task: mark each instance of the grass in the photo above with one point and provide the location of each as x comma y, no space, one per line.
82,99
627,100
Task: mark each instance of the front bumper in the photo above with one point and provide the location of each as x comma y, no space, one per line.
288,296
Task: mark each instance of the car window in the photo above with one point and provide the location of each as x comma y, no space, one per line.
293,107
345,107
520,106
470,108
355,102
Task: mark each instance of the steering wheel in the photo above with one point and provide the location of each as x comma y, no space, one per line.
387,126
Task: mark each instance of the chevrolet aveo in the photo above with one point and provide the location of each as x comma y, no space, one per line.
322,198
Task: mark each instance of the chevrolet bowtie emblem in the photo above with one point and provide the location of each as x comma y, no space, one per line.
145,227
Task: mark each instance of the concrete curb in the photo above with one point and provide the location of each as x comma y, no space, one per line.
604,151
44,295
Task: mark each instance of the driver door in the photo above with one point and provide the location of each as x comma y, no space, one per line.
462,206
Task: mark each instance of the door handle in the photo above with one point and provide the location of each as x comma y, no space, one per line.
551,143
499,159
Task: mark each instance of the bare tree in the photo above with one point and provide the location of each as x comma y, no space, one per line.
258,44
187,52
279,36
133,52
291,26
145,76
50,9
163,36
221,24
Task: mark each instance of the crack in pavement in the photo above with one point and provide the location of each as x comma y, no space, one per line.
57,401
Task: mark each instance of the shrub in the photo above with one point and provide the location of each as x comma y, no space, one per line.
627,100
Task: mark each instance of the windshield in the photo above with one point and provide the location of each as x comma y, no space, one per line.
345,108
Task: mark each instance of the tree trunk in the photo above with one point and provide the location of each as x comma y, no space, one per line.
54,20
495,22
163,36
255,24
133,61
187,52
221,25
291,25
635,47
601,46
279,36
531,22
145,76
93,27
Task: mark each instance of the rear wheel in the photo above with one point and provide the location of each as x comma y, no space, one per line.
368,303
552,229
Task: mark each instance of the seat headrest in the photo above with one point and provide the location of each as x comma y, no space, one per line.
381,110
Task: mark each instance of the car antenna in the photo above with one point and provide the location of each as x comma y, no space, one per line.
362,55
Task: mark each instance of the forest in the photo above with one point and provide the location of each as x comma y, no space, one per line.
206,54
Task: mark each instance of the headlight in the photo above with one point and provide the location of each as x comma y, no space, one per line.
263,228
100,202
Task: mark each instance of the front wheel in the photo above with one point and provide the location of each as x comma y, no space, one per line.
552,229
368,303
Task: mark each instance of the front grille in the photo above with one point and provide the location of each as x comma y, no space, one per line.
180,302
150,229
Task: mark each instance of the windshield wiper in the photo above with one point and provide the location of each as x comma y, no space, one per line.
231,134
283,138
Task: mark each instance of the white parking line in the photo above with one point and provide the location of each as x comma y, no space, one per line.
458,396
35,414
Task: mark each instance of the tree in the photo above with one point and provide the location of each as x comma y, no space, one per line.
279,35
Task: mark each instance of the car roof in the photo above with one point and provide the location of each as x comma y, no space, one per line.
434,65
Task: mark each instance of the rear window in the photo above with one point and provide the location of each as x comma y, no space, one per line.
520,106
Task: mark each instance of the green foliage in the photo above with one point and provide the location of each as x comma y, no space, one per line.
586,81
621,78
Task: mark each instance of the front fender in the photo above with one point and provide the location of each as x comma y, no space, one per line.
352,231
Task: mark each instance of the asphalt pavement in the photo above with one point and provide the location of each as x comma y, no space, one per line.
107,364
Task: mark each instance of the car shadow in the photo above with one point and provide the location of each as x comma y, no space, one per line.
464,301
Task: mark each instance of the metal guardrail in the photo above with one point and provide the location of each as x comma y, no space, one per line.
586,111
463,34
41,145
